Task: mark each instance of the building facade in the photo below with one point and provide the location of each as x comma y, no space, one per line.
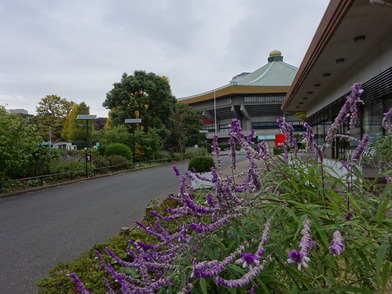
253,98
353,44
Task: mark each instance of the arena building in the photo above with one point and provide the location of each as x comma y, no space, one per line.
254,98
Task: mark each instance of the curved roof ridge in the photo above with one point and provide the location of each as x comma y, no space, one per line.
270,65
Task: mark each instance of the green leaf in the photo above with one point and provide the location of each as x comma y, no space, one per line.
382,208
291,213
353,289
382,251
320,231
203,286
294,289
385,276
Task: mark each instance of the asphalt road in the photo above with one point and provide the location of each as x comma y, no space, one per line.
42,228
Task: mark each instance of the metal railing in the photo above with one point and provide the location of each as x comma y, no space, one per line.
90,173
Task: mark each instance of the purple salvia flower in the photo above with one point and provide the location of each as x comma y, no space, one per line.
359,150
80,286
243,281
298,257
232,152
206,229
337,246
215,146
306,243
146,246
236,132
187,289
349,106
263,150
171,197
386,121
288,131
264,239
206,269
349,215
249,260
210,200
110,289
177,172
250,136
109,269
388,178
198,208
311,145
170,217
252,289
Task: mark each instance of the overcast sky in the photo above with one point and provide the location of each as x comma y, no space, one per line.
77,49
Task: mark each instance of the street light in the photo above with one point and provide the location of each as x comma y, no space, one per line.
133,121
86,117
87,154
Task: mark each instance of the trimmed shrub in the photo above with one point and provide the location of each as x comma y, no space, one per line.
117,160
118,149
201,164
224,146
193,152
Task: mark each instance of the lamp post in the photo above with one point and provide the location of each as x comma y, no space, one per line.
133,121
87,154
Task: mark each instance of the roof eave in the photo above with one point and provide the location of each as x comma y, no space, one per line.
333,16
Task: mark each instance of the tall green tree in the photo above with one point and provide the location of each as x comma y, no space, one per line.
118,134
74,129
141,95
51,113
18,142
185,131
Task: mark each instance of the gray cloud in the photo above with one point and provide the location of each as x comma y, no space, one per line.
78,49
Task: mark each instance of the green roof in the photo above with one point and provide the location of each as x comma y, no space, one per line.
274,73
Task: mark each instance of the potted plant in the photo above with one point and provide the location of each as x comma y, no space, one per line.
201,165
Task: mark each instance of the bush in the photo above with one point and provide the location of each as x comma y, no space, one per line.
201,164
224,146
176,156
192,152
100,161
118,160
76,167
118,149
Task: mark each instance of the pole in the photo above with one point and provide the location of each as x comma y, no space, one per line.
85,156
87,143
216,126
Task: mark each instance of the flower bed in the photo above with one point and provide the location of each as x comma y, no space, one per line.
283,226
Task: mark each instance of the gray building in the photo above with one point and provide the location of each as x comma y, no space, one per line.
254,98
22,111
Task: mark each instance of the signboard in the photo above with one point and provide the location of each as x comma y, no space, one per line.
86,116
133,120
279,139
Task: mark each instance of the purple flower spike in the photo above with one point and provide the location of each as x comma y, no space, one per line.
337,246
232,152
80,287
359,150
252,290
386,121
176,171
249,260
349,109
298,257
